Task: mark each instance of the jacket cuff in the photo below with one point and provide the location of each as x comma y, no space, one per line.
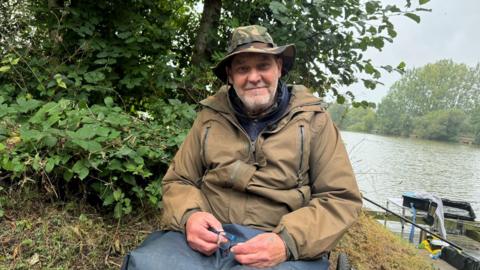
292,252
186,216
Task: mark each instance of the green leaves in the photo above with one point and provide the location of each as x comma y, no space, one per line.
65,98
70,142
81,168
426,100
278,8
51,163
8,61
108,101
25,105
85,132
94,76
31,135
14,164
280,11
413,16
371,7
378,43
90,146
359,117
59,80
4,69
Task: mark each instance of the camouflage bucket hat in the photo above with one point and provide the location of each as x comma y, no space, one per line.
254,39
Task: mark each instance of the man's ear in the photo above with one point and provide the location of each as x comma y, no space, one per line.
229,77
279,64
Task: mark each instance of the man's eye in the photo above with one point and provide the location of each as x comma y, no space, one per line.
242,69
264,66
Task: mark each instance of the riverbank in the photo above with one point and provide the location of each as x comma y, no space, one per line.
37,234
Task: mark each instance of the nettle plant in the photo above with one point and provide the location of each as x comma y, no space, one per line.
100,151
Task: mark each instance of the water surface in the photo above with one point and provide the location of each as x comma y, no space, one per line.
389,166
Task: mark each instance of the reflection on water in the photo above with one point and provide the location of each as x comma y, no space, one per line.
389,166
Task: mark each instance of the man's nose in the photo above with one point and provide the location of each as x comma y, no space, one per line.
254,76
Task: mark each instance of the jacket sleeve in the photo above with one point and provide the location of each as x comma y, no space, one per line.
181,191
335,202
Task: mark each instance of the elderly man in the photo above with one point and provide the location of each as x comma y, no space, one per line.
262,179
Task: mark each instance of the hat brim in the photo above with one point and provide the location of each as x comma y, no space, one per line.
287,52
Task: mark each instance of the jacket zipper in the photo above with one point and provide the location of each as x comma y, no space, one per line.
251,145
302,135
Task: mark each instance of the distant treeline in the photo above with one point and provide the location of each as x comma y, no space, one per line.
439,101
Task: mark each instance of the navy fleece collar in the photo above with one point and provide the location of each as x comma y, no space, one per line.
253,126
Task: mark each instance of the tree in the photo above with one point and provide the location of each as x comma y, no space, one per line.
440,87
392,119
358,119
475,123
442,125
330,36
338,113
206,33
361,119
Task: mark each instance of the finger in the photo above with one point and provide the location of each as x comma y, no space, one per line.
213,222
244,248
223,239
260,265
204,247
207,236
249,259
200,235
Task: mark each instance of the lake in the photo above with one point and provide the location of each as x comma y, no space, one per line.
389,166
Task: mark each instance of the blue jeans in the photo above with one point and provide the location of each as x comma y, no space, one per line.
169,250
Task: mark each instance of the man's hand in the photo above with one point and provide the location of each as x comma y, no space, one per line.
262,251
199,238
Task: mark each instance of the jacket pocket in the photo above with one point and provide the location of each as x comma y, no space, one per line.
236,175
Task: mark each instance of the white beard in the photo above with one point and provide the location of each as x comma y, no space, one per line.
258,102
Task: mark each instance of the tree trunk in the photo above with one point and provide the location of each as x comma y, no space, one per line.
55,6
207,29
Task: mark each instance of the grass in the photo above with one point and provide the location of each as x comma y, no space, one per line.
369,245
38,234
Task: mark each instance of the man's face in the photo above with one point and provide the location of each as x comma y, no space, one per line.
254,77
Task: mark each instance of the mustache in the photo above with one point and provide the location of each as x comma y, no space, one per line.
252,86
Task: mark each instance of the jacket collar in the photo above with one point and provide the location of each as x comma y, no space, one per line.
301,99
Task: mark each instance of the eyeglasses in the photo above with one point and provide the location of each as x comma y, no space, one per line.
226,246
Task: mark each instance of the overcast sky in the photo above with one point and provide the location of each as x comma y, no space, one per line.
450,31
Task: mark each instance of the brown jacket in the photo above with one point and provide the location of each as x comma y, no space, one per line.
295,179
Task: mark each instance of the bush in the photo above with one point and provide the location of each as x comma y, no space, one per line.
475,124
98,151
353,119
89,104
440,125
